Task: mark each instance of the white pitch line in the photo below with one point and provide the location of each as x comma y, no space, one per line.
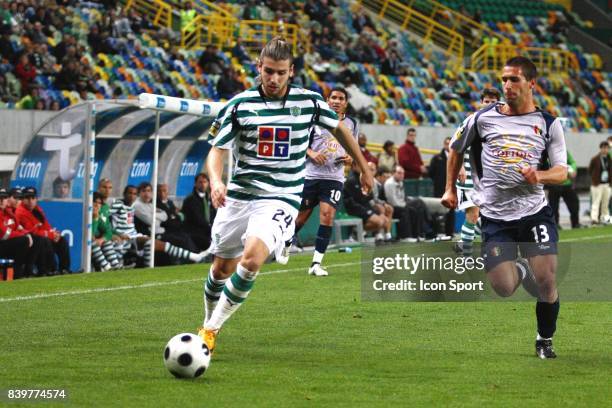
586,238
144,285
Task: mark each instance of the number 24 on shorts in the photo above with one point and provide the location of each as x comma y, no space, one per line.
280,216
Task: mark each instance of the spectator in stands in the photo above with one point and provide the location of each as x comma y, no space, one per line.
392,64
37,35
409,157
61,188
188,14
387,159
25,71
6,47
66,79
437,172
61,50
600,169
240,53
199,213
122,219
359,205
33,220
229,84
568,192
103,253
362,20
210,61
7,94
363,141
144,212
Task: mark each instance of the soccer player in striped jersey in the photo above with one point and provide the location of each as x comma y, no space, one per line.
510,142
465,187
324,179
267,128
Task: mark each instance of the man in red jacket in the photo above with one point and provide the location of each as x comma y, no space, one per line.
409,157
33,220
25,249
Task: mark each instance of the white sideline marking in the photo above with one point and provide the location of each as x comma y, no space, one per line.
586,238
144,285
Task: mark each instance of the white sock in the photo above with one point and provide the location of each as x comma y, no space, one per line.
542,338
212,292
388,235
235,292
317,257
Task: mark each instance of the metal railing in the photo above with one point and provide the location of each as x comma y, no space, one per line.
159,12
471,30
212,29
451,42
491,58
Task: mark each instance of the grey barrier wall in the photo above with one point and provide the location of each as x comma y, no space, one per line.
17,128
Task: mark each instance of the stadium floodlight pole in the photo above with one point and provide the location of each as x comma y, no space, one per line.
88,181
154,185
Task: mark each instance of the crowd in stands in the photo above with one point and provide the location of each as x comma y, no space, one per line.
59,52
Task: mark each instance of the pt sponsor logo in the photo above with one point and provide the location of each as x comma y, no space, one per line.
273,142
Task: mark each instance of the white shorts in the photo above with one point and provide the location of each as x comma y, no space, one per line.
464,197
272,221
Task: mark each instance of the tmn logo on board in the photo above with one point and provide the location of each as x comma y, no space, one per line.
273,142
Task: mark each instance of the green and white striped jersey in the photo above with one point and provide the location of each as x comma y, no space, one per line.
269,138
467,164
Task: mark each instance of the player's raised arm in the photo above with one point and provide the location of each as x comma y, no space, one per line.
346,139
461,140
453,166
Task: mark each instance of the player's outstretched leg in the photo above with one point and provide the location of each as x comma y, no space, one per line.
321,243
236,289
213,287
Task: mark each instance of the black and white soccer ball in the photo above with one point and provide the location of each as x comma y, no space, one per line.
186,356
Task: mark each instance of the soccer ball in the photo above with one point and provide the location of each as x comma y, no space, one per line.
186,356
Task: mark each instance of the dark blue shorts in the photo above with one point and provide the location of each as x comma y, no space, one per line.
534,235
315,191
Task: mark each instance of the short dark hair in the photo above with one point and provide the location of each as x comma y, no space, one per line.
339,89
58,180
527,66
411,130
491,93
195,179
387,144
604,144
97,196
125,190
144,185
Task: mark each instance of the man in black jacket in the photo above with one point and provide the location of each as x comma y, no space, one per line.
198,212
437,172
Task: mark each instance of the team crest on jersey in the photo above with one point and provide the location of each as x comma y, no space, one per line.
273,142
295,111
537,130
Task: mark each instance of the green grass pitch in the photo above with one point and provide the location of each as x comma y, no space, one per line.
298,341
